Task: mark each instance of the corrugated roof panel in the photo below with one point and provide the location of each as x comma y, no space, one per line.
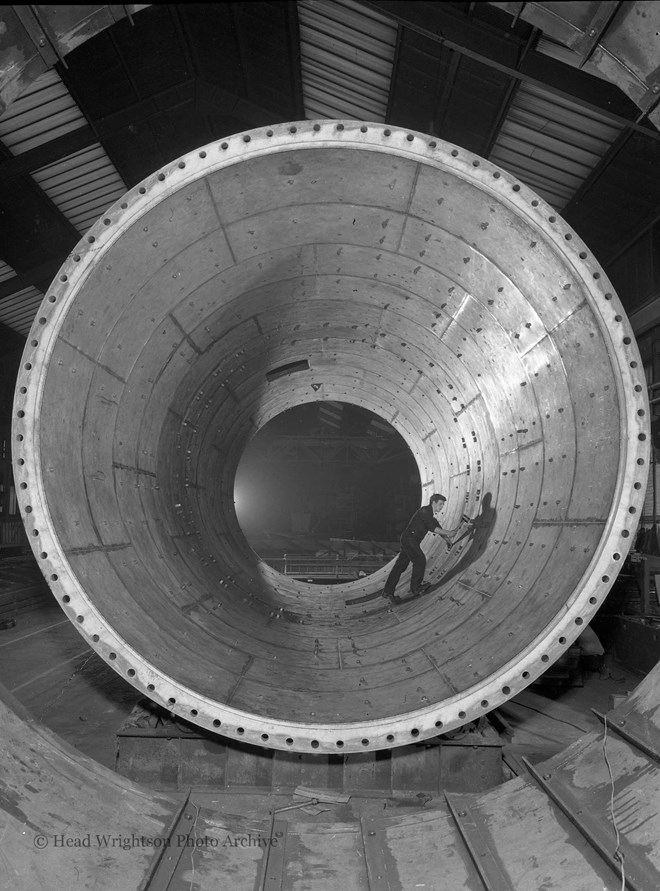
43,112
347,52
18,310
536,177
82,185
587,122
6,272
543,130
549,152
549,177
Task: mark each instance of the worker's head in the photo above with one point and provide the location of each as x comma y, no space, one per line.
437,502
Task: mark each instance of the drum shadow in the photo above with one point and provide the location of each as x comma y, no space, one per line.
478,537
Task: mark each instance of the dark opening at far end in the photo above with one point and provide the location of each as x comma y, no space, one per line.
322,492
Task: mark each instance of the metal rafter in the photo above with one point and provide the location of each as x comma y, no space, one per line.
58,216
510,95
47,153
617,146
35,277
544,72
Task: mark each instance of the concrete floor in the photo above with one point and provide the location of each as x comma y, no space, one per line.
46,664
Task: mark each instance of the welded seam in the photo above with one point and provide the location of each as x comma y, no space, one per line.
464,408
476,590
120,466
581,305
569,522
529,349
406,213
184,333
442,674
522,446
220,223
92,549
230,391
244,671
92,360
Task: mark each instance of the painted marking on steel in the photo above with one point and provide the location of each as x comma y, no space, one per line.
639,875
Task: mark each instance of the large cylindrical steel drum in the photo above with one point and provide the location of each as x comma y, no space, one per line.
330,261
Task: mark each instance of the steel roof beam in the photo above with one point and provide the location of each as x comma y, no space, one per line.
38,276
496,49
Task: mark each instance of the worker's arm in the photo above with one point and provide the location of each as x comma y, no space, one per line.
443,533
448,534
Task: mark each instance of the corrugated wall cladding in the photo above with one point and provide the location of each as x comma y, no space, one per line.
43,112
347,53
83,185
6,272
551,143
18,310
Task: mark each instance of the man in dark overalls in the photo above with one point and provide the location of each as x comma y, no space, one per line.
426,519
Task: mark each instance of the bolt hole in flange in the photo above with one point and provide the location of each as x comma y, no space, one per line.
297,254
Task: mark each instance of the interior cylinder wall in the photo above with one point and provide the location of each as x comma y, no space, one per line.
416,281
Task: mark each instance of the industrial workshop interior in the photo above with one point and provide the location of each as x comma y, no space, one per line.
329,534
